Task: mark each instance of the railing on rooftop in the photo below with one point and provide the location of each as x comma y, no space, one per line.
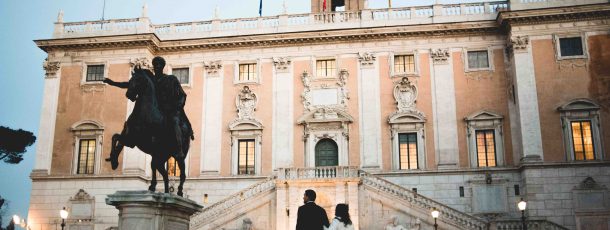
286,23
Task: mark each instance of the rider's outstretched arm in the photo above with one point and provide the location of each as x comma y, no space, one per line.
122,85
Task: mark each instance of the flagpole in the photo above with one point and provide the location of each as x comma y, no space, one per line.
389,3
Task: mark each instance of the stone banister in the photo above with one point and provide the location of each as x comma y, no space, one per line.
329,172
221,207
286,23
448,215
531,225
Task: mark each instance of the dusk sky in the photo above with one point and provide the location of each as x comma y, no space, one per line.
22,77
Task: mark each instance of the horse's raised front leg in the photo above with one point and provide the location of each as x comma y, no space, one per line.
116,149
163,172
182,167
153,182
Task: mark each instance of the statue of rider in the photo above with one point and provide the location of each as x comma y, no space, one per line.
171,98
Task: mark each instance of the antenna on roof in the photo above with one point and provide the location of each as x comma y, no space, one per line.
103,10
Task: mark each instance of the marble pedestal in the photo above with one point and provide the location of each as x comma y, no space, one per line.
152,211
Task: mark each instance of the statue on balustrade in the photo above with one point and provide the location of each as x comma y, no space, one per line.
158,124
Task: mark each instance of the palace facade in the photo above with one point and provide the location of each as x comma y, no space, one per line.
463,108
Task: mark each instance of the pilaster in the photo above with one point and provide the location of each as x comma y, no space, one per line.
443,99
212,118
283,112
370,111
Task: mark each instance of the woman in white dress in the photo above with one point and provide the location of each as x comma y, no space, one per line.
341,220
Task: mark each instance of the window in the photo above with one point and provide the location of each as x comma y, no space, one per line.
485,139
182,74
478,59
95,73
247,72
570,47
245,158
172,167
581,130
325,68
582,139
404,64
486,148
86,156
408,150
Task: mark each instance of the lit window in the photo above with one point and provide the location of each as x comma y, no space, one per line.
172,167
404,64
247,72
486,148
478,59
245,159
570,46
182,74
582,139
408,150
86,156
325,68
95,73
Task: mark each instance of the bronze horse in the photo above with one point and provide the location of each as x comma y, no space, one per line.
149,133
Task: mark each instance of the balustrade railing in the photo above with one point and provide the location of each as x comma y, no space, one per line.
296,22
211,212
317,173
447,214
531,225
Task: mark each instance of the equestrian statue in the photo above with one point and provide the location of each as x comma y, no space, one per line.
158,124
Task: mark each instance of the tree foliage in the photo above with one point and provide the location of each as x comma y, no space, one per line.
13,144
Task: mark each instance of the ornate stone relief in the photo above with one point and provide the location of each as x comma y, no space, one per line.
246,104
440,56
405,94
366,59
140,62
50,68
572,64
343,92
590,184
82,206
479,75
281,64
212,67
518,44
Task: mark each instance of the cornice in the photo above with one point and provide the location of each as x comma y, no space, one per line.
553,15
152,42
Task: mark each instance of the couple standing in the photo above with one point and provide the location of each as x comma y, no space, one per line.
313,217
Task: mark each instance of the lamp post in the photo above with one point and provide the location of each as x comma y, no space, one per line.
522,205
64,215
435,213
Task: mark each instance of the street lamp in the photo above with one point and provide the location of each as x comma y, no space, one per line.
16,220
64,215
435,213
522,205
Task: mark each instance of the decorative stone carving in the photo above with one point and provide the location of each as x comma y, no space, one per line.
366,59
139,62
246,224
440,56
60,16
82,206
310,91
212,67
519,44
590,184
50,68
246,104
405,95
281,63
572,64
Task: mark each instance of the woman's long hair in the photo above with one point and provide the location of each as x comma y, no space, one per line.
342,211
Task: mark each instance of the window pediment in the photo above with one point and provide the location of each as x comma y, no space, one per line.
579,104
407,117
239,125
86,125
483,116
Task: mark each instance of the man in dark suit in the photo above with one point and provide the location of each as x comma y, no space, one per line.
311,216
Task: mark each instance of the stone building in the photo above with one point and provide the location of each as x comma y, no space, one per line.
464,108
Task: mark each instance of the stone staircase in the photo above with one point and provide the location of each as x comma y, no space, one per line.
226,213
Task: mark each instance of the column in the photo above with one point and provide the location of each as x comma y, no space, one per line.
370,112
283,113
48,115
212,118
528,131
443,100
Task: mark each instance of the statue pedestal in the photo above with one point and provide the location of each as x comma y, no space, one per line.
151,211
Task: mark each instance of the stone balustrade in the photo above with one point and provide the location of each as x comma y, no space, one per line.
531,225
221,207
285,23
331,172
448,214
